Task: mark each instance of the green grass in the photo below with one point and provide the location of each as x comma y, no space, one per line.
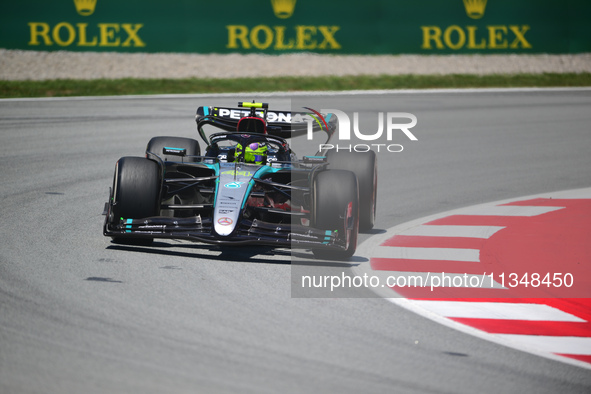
108,87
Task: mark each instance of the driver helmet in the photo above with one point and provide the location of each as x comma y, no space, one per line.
255,153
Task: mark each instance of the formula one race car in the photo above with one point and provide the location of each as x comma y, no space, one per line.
247,187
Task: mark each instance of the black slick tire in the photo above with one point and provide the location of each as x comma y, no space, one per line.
136,192
335,198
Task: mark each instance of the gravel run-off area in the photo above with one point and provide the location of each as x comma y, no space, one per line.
36,65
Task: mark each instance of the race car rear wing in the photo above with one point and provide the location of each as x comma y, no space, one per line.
283,124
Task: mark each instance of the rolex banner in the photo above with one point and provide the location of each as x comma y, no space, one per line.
283,26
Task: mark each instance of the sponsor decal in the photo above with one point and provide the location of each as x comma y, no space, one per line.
272,116
234,185
296,36
225,221
456,37
475,8
238,172
283,9
174,151
66,34
85,7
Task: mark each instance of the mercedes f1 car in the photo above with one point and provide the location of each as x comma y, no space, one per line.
247,187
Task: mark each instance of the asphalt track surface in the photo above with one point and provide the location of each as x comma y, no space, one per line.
80,314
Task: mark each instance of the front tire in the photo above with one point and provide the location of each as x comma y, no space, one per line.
336,207
136,192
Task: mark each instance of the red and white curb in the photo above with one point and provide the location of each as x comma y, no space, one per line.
515,272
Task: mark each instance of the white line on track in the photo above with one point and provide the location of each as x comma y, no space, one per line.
426,230
411,253
497,310
560,345
508,210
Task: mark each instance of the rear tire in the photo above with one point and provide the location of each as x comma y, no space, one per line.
156,145
335,196
136,192
365,166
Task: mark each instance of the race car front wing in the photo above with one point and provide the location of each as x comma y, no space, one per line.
246,233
